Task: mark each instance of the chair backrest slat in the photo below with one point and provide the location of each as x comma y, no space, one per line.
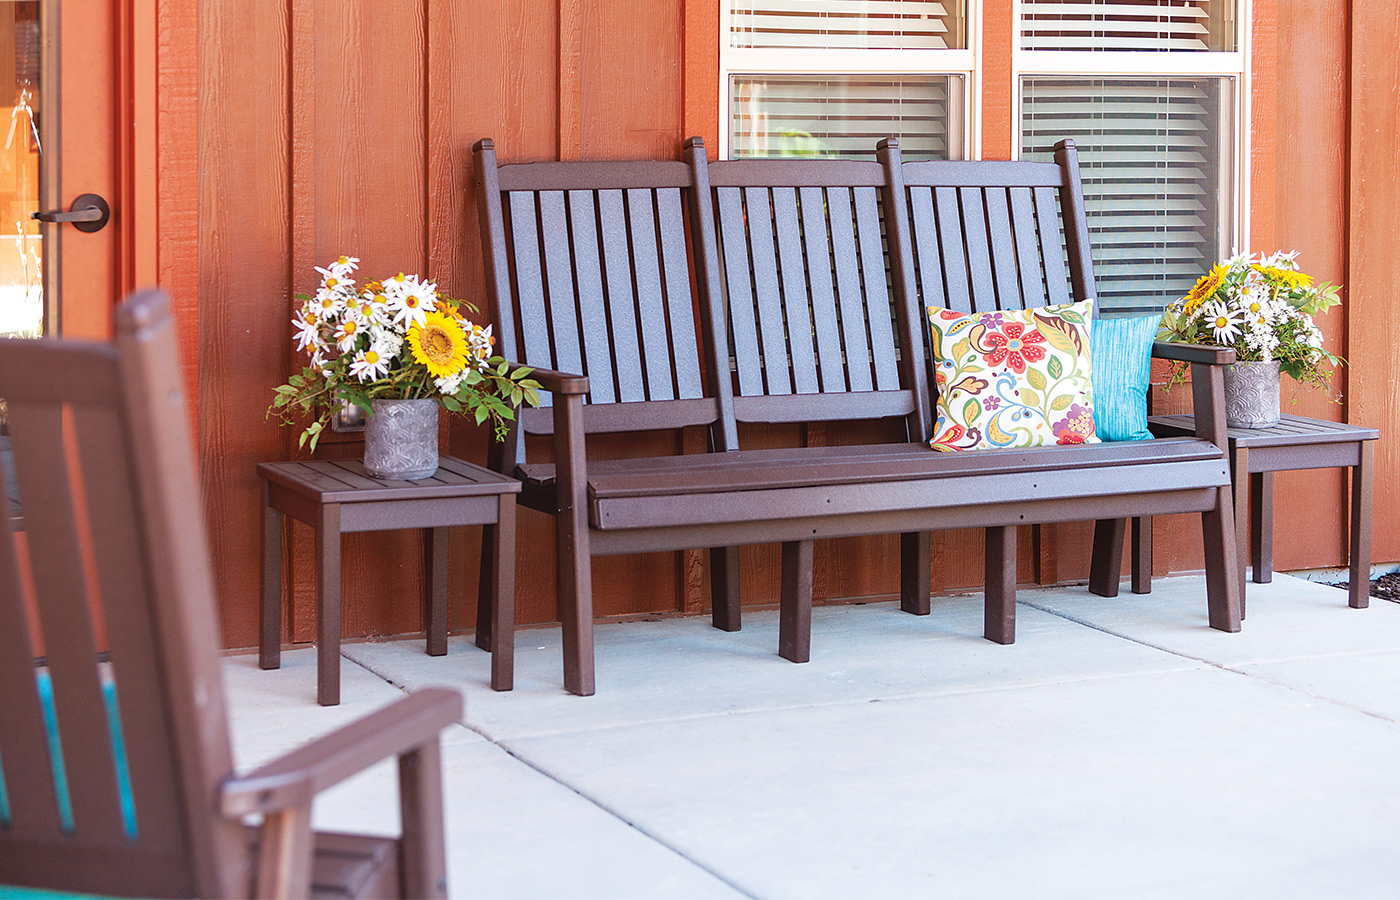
738,280
622,301
877,289
1047,208
797,312
826,324
592,295
777,374
855,337
1003,245
685,352
1027,246
559,279
529,281
957,290
979,254
651,304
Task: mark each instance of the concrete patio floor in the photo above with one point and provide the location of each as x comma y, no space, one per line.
1120,748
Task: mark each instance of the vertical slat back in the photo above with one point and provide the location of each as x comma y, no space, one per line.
979,257
111,530
952,247
1027,238
597,281
1052,253
806,293
56,539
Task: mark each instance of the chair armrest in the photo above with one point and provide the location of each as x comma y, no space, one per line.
1193,353
557,382
294,779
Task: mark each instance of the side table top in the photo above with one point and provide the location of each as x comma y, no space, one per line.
1290,431
346,481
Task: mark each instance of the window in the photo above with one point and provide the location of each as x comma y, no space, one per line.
1150,92
830,78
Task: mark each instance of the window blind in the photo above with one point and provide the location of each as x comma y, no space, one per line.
844,115
1155,155
844,24
1181,25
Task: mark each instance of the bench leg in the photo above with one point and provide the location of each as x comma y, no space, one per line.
270,610
435,548
503,595
1142,554
914,587
1223,582
1107,560
328,606
1261,535
1361,484
724,588
795,616
999,619
485,588
1239,479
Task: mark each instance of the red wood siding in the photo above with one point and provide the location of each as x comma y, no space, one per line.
325,127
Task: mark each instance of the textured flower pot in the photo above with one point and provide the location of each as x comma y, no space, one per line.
401,439
1252,394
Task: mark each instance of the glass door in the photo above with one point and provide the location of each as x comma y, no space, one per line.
22,312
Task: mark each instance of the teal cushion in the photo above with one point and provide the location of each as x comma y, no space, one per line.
1122,360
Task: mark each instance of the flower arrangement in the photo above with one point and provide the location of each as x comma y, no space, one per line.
1262,308
394,339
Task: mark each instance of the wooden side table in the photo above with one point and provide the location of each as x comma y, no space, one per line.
337,496
1295,442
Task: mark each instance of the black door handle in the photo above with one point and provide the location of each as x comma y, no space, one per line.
89,212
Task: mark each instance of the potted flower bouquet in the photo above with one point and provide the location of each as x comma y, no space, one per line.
1261,307
399,349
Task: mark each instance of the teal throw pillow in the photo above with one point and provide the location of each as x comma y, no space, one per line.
1122,361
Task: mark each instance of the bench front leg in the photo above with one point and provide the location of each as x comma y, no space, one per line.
725,612
575,584
795,616
914,560
999,624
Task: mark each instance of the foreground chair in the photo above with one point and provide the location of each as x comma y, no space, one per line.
117,771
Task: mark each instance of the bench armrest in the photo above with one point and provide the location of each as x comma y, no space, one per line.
1193,353
557,382
295,778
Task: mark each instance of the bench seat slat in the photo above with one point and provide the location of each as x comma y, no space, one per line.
927,492
663,475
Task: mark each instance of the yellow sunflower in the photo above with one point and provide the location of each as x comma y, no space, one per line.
1286,277
1208,285
439,344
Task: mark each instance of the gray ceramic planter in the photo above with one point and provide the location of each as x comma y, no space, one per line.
1252,394
401,439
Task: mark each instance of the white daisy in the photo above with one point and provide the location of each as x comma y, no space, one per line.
308,331
479,342
347,333
369,364
328,303
1223,322
410,300
339,270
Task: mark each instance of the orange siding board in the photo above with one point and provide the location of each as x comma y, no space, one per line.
1373,280
701,34
631,101
998,91
243,271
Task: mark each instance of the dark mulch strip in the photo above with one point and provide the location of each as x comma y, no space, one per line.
1386,587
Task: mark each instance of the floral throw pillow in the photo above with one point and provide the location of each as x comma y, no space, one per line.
1012,378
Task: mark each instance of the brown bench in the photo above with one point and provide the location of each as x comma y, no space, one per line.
794,319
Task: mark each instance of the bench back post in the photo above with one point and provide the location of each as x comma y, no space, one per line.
724,434
503,455
1081,267
909,316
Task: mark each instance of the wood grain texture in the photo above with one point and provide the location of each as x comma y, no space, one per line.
244,344
1373,207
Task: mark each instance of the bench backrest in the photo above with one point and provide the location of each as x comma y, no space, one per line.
588,268
986,235
803,303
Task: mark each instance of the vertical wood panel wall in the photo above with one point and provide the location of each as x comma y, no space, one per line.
326,127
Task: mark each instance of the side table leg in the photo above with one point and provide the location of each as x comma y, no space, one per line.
1142,555
1261,510
270,609
1239,479
1361,478
328,606
437,553
502,597
485,588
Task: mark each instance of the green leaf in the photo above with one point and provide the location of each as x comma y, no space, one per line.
1070,315
1055,367
1062,402
971,410
1036,379
1030,397
961,348
481,414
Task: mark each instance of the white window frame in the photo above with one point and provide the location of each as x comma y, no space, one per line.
759,61
1156,64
